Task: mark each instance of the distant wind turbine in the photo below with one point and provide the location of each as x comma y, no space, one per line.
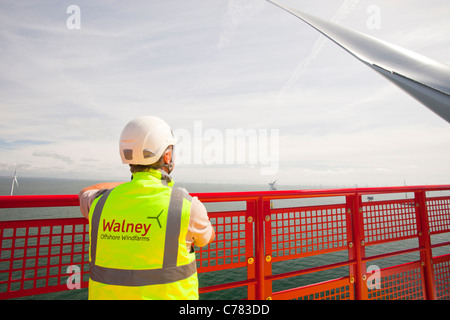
14,180
272,185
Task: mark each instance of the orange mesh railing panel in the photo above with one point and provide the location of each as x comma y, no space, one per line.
389,221
306,231
39,256
441,267
339,289
230,248
403,282
439,215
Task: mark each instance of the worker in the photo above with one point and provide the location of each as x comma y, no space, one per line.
142,232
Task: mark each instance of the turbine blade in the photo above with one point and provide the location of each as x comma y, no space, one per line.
426,80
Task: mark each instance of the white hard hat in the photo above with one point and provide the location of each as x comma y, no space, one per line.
144,140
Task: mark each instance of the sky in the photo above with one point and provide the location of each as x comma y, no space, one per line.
73,73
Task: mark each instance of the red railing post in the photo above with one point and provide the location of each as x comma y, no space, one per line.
267,262
251,265
426,256
259,249
357,252
262,262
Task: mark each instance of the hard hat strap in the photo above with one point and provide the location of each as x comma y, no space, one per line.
170,165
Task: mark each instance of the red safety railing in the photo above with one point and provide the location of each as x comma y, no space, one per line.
268,249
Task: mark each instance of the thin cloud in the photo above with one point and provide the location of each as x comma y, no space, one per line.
53,155
238,11
344,10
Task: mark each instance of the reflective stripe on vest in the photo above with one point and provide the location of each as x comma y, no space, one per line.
169,272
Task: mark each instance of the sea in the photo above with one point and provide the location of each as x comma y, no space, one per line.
54,186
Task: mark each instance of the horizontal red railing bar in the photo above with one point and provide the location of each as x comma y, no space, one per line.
36,201
309,270
438,198
442,244
46,222
439,232
442,258
225,286
28,201
42,290
312,288
392,254
307,208
285,194
404,266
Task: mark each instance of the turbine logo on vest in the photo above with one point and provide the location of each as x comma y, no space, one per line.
157,218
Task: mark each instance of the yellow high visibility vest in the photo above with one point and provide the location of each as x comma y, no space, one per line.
138,241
